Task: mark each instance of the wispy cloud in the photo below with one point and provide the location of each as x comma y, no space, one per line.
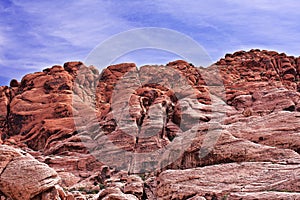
147,57
38,34
239,24
41,34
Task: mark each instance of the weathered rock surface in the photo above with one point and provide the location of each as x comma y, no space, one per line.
115,193
23,177
122,186
264,195
5,94
37,115
242,112
215,182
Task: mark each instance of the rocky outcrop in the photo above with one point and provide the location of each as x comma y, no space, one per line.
230,181
231,149
278,129
23,177
140,112
37,116
46,96
123,186
241,113
264,81
5,98
264,195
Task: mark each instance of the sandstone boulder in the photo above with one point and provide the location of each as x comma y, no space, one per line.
219,181
23,177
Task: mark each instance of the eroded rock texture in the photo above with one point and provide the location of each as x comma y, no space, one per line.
227,131
23,177
225,180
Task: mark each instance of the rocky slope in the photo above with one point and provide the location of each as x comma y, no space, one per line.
229,131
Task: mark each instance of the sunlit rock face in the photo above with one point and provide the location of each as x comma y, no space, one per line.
169,132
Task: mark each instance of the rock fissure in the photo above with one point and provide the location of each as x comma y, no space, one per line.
261,102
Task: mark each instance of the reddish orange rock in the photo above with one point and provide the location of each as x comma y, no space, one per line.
242,110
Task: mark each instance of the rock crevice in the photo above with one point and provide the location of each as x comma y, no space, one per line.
77,122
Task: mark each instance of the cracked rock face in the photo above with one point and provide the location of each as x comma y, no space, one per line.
225,180
22,176
228,131
139,113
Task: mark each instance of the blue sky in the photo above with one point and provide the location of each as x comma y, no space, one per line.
38,34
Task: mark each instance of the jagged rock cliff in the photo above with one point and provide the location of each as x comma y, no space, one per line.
227,131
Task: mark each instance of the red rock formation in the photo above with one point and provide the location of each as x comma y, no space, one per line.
220,181
23,177
244,109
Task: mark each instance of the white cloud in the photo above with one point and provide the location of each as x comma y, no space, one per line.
43,34
35,35
81,24
266,23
